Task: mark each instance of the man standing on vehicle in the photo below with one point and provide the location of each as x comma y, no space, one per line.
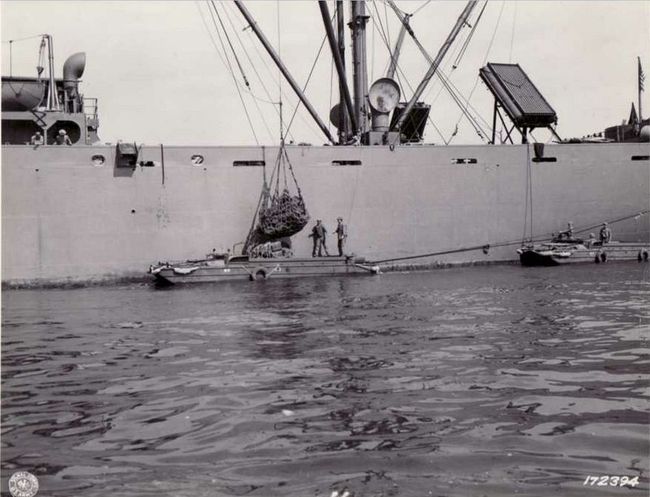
341,234
318,234
605,234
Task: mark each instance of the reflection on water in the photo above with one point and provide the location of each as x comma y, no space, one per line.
478,381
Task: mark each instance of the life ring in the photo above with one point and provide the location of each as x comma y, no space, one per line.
258,274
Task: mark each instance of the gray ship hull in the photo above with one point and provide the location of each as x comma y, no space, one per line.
68,215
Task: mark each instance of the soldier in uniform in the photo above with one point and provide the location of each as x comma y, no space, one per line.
341,234
605,234
318,235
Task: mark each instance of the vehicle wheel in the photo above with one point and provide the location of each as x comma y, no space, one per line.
260,275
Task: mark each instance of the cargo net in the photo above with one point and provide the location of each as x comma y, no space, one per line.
281,214
285,215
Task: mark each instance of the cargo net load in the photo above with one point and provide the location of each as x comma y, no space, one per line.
285,215
280,213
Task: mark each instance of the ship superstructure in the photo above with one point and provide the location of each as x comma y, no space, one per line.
48,104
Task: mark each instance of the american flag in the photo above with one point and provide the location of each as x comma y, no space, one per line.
641,76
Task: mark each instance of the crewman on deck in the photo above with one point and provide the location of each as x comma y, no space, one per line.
37,139
590,242
341,234
318,233
63,138
569,231
566,235
605,234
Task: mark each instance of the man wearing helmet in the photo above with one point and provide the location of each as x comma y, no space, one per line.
63,138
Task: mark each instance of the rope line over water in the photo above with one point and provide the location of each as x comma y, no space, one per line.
486,247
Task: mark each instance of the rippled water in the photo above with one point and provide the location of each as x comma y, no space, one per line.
462,382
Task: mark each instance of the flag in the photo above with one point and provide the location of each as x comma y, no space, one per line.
641,76
633,118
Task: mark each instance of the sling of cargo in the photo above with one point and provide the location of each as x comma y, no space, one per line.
279,214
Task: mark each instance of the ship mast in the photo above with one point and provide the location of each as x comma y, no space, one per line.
340,28
641,77
359,64
462,20
52,97
340,68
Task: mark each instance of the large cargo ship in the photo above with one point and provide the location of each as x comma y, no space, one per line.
102,212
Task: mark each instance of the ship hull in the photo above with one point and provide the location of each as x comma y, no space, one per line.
70,214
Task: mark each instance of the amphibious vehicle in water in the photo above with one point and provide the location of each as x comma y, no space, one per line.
558,253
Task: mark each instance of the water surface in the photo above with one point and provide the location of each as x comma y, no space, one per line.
484,381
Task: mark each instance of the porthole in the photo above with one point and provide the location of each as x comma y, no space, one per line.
98,160
197,159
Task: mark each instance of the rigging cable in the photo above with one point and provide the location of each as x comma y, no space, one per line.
469,37
329,121
277,10
446,84
308,123
232,49
512,34
486,247
420,7
266,66
248,117
295,111
399,71
528,199
454,92
487,53
386,19
249,89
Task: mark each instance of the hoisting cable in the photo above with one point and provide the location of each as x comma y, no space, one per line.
487,53
256,99
266,66
23,39
295,111
308,123
528,200
229,66
421,7
232,49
